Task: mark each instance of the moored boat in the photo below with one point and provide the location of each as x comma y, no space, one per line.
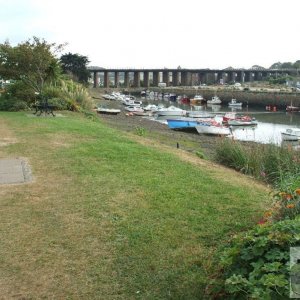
171,111
212,128
198,99
182,123
291,108
108,111
243,121
199,114
132,108
234,103
291,134
214,100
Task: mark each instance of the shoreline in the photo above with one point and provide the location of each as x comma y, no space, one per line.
190,141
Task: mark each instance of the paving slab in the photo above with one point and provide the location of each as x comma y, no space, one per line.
14,170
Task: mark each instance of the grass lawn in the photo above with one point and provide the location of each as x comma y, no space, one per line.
113,216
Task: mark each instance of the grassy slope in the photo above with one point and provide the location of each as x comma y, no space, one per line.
107,217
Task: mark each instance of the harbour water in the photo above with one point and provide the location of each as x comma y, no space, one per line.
269,127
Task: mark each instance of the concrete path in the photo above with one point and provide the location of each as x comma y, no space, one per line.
14,171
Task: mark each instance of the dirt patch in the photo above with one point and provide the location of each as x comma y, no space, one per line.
6,136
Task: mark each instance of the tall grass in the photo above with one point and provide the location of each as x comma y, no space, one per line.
75,95
269,162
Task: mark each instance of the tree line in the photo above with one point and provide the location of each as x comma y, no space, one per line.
37,71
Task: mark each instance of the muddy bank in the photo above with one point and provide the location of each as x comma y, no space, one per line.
190,141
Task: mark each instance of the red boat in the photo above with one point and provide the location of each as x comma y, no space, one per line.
185,100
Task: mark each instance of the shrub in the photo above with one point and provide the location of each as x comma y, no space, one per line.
12,104
256,264
141,131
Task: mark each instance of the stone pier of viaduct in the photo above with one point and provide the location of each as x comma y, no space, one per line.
179,77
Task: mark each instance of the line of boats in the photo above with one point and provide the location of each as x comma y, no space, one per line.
196,100
202,121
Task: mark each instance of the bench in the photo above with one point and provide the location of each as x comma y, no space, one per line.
44,108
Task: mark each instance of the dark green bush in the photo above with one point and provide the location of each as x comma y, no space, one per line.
256,264
12,104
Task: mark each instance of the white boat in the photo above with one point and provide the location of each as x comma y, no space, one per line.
108,111
170,111
133,108
212,128
199,114
233,102
291,134
214,100
108,97
132,101
151,107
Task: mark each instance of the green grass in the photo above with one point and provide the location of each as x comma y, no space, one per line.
109,218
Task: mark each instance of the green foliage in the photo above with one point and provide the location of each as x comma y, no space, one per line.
200,154
279,80
20,90
286,65
69,95
141,131
76,65
12,104
267,162
31,62
256,264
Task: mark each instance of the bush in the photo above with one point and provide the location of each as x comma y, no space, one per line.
59,103
256,264
21,91
12,104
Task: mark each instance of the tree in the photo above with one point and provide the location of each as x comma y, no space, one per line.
257,67
33,62
296,64
276,65
76,65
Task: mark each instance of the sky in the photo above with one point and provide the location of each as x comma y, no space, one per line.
161,33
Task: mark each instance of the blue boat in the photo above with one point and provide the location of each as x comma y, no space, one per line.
182,123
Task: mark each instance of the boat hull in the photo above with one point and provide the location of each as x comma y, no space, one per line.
241,123
108,111
212,130
171,113
181,123
291,134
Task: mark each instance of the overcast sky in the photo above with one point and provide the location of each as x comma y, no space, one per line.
161,33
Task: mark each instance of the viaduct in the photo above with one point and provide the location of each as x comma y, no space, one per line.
180,77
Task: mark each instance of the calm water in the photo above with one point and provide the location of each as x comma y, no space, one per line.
270,124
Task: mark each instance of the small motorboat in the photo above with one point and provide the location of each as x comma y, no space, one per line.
199,114
132,108
242,121
170,111
182,123
108,111
291,108
214,100
212,128
291,134
234,103
198,99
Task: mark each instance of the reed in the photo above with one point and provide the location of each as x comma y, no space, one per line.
268,162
